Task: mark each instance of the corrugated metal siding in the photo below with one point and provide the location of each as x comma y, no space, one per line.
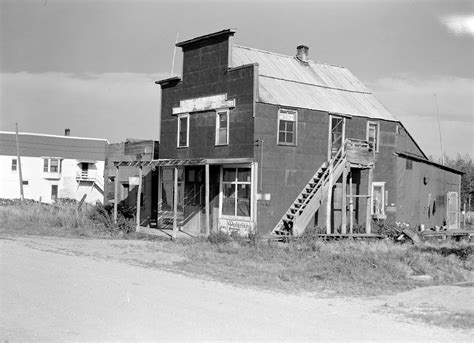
53,146
286,81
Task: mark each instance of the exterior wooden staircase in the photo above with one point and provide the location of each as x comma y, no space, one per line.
298,216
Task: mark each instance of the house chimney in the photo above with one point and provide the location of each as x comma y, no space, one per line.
302,53
67,132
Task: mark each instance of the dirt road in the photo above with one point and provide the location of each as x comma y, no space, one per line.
59,294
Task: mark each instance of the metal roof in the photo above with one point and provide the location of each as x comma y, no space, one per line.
286,81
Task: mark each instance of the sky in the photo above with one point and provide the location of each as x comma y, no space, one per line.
91,65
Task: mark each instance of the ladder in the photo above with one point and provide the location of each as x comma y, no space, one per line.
298,216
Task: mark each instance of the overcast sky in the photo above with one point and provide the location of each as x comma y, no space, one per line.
91,65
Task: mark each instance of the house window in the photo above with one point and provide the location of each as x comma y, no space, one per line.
287,122
378,199
222,127
183,131
14,164
236,189
373,134
52,165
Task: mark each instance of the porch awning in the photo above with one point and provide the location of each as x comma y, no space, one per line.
182,162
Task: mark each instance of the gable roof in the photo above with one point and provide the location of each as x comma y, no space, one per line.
286,81
42,145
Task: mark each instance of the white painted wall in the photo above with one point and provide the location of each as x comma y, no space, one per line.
39,182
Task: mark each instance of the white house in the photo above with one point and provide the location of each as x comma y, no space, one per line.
52,166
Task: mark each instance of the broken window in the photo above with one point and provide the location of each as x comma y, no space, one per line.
222,127
183,131
236,189
287,122
373,135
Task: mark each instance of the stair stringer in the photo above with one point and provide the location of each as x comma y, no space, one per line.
312,205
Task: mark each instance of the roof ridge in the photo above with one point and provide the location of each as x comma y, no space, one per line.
287,56
56,136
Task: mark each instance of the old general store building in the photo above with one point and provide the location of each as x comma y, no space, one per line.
252,139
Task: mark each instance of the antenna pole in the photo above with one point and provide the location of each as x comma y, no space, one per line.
439,127
174,53
22,196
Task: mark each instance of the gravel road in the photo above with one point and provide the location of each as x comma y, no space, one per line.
56,295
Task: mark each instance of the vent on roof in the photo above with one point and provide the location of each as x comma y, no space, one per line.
302,53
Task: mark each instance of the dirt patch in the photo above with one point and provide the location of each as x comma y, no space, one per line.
446,306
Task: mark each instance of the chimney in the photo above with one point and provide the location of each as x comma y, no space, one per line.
67,132
302,53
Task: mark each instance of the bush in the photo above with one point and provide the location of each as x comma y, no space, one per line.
219,237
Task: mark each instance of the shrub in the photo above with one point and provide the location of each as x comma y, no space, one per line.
219,237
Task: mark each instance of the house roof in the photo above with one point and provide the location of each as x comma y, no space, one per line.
417,158
42,145
286,81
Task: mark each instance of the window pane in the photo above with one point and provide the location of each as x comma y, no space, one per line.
54,168
45,165
289,126
229,175
183,131
222,119
244,174
228,201
167,175
282,125
243,200
281,137
222,139
289,137
13,164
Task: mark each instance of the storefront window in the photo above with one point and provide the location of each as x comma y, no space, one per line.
236,187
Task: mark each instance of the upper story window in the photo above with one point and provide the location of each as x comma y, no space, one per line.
373,134
183,131
222,127
287,122
14,164
52,165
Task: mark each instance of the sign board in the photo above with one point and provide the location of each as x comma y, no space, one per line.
236,226
133,180
204,104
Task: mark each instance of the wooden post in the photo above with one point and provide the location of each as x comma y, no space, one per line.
20,175
344,202
207,204
351,206
139,196
329,200
175,202
368,217
160,195
116,190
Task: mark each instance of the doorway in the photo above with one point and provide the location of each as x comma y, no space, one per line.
337,132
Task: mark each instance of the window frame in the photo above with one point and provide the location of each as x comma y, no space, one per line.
380,184
14,166
235,184
180,117
226,111
47,165
295,126
377,133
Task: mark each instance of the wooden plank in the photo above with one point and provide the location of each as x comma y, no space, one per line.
344,202
207,205
139,193
351,206
329,200
116,190
175,202
412,235
368,217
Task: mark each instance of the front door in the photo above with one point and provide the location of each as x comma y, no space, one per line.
453,210
85,169
336,134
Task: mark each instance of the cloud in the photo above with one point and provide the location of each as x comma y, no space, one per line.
460,24
411,100
110,105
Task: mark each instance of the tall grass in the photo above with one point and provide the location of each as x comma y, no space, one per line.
56,220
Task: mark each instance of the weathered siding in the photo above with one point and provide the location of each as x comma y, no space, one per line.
422,192
206,73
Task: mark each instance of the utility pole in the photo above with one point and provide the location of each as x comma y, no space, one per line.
22,196
439,127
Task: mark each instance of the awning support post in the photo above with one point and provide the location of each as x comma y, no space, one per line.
207,204
368,217
139,195
116,190
344,201
175,203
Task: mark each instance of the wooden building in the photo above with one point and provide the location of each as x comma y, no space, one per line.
254,140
